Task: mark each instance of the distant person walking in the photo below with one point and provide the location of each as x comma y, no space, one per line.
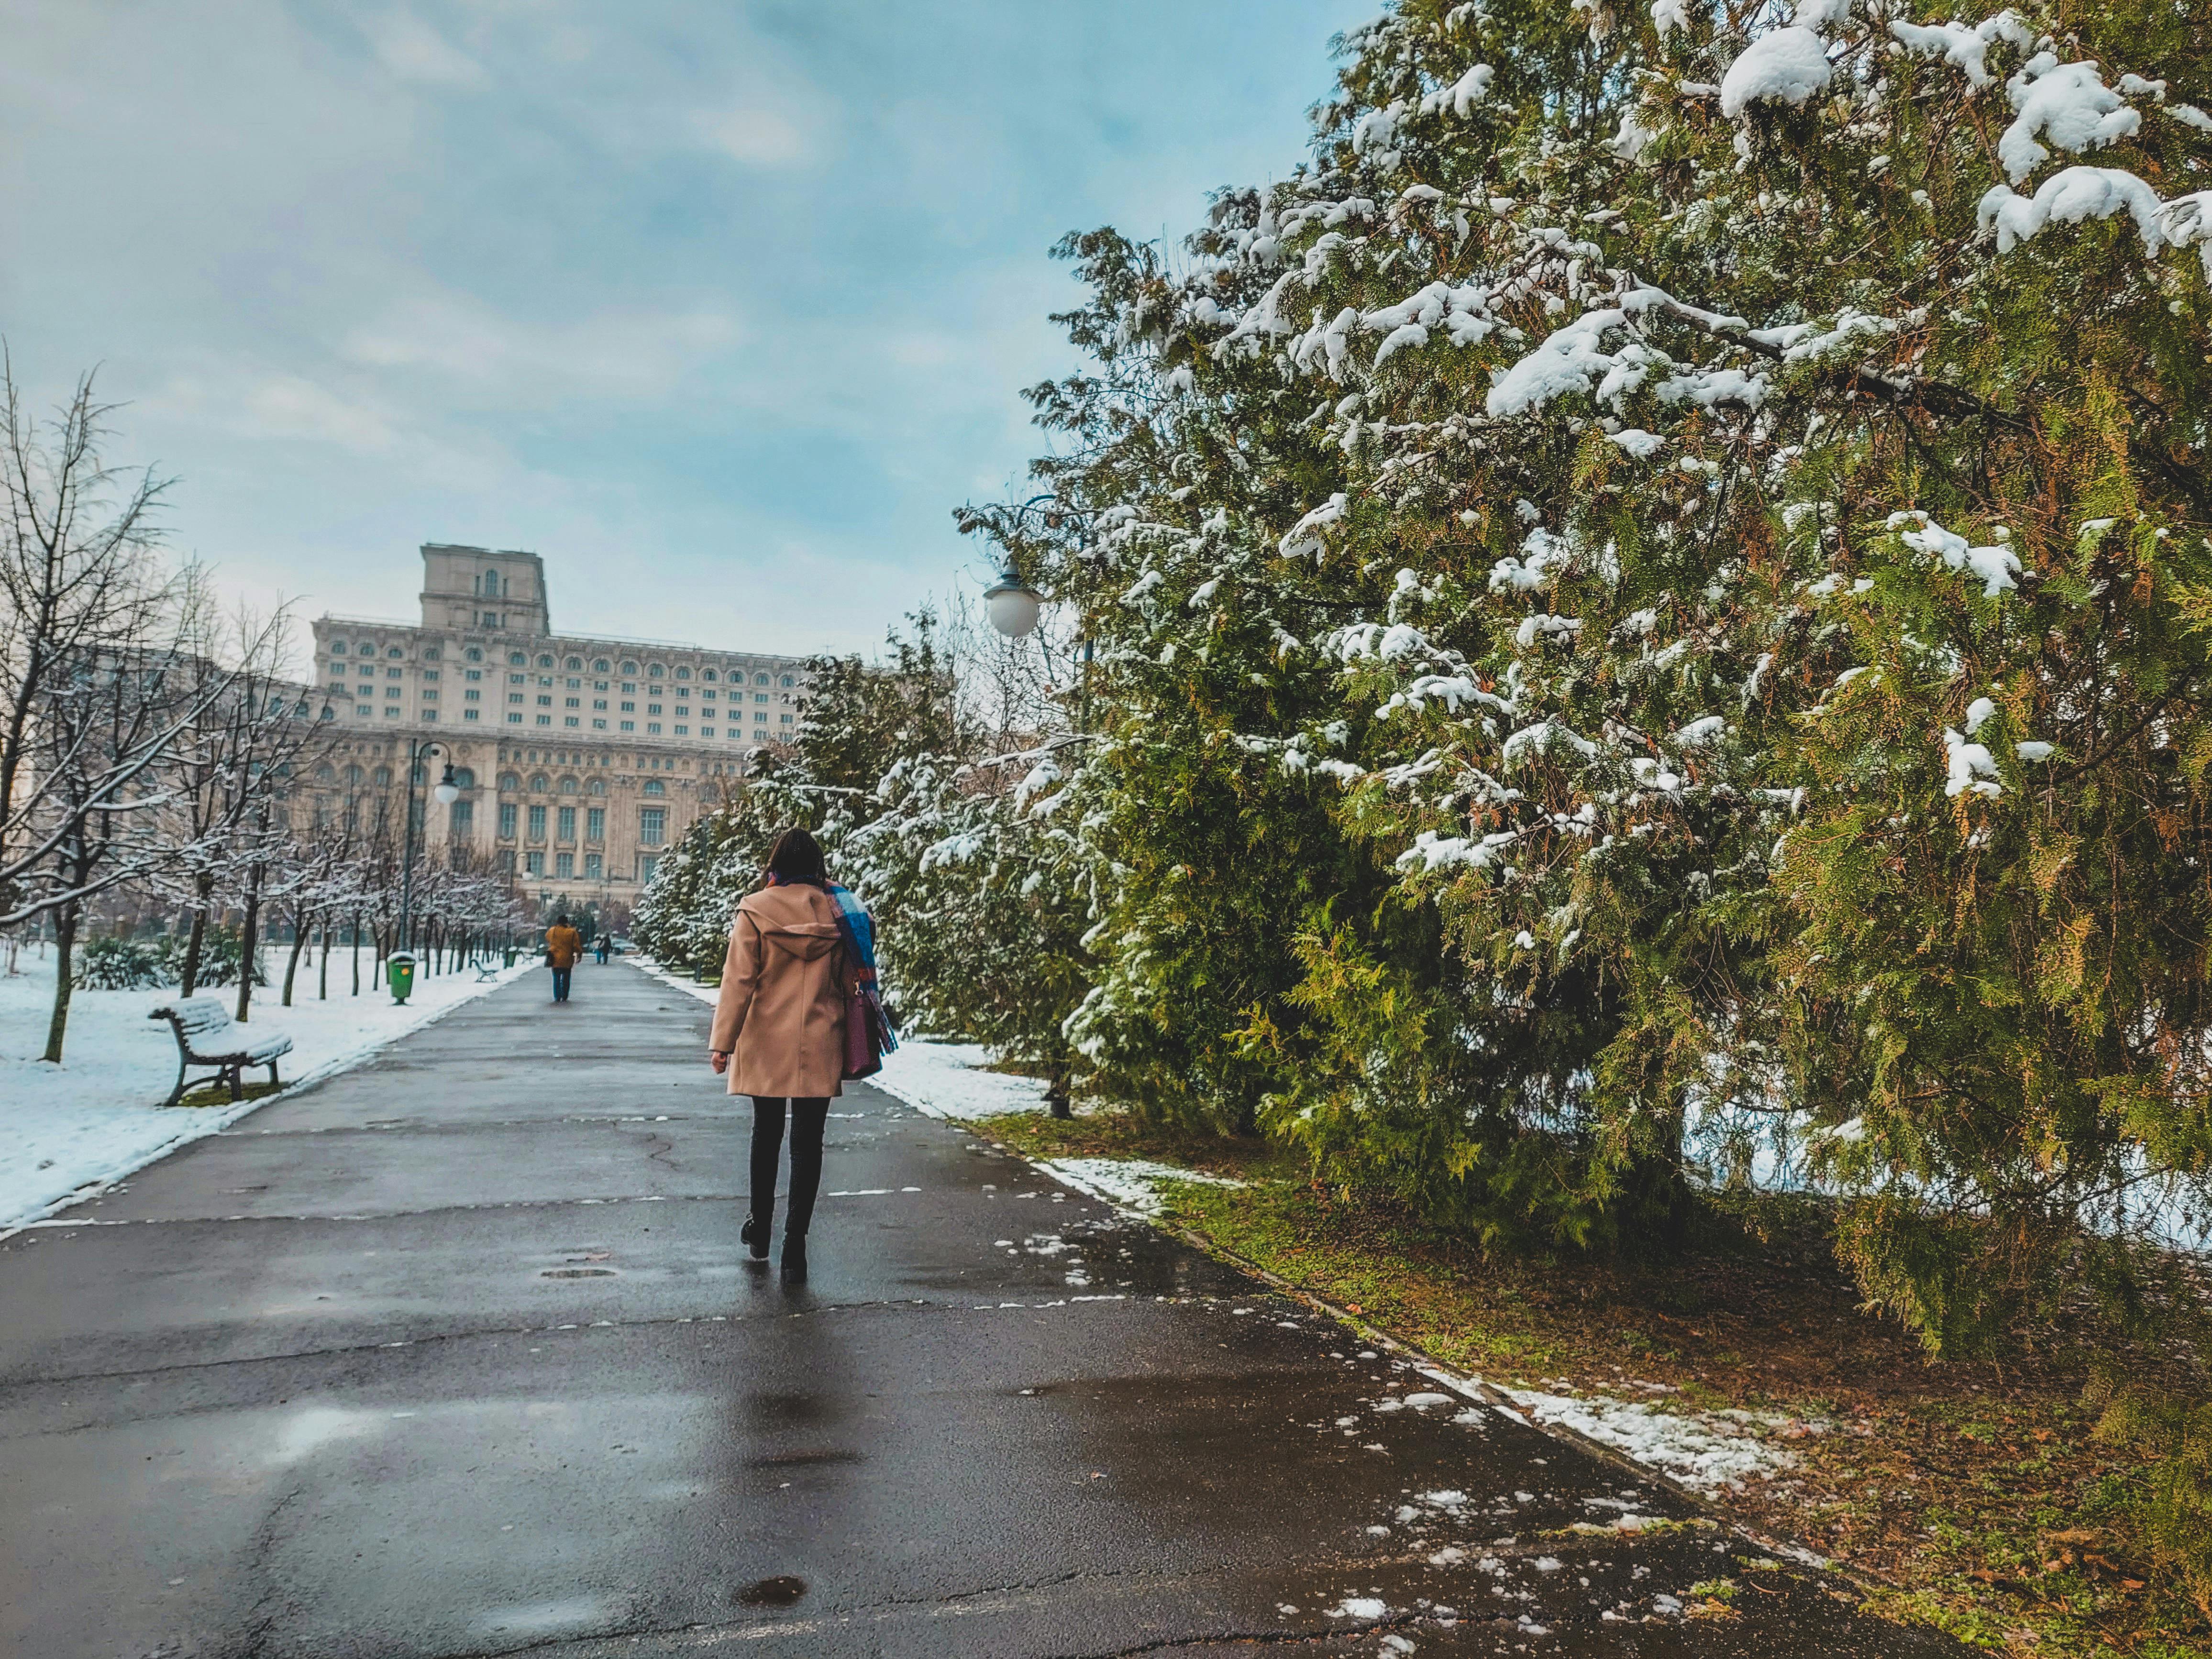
564,944
602,946
780,1030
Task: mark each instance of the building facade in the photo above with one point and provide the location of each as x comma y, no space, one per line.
580,758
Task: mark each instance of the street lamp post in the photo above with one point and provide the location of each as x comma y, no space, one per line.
447,793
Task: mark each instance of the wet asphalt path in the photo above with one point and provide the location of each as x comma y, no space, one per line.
459,1354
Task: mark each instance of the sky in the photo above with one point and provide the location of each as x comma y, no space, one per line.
720,305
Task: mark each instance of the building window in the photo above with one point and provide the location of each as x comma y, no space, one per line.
599,726
653,708
430,715
706,730
760,714
653,728
471,696
430,696
514,696
565,821
537,823
652,826
647,864
787,680
564,864
783,720
534,863
507,860
545,703
600,703
595,823
461,820
683,731
547,719
511,719
470,713
627,726
654,786
629,709
507,819
591,866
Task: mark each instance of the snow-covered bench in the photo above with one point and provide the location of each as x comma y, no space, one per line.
208,1037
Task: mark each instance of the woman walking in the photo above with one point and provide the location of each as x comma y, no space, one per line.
780,1030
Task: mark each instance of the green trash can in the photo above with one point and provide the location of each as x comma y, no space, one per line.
399,969
510,956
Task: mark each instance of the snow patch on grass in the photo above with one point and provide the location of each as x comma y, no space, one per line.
1129,1183
1705,1451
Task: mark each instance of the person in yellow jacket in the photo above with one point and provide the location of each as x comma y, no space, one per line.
564,944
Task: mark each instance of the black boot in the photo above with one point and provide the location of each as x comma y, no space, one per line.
755,1234
794,1259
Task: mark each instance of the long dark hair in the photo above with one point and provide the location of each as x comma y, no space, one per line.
797,857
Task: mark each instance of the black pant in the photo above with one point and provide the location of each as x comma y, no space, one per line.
808,1119
560,983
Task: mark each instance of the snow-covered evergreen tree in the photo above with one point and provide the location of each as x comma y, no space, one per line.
1652,608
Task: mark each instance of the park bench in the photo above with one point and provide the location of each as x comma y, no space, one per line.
208,1037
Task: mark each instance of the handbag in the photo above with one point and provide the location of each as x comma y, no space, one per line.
864,1048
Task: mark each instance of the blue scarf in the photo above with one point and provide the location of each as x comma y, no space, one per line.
859,931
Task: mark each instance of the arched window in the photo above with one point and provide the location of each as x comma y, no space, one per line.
510,781
431,653
337,647
683,673
629,668
516,660
395,651
598,786
655,787
475,654
760,679
324,774
599,665
545,660
568,785
655,671
786,679
353,776
464,778
383,776
539,783
575,662
708,674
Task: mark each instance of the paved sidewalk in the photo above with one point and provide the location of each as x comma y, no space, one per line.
458,1354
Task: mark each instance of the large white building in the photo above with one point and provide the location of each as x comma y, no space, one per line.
581,757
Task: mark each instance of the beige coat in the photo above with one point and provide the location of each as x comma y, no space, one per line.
781,1014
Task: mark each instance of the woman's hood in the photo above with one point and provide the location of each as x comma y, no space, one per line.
799,922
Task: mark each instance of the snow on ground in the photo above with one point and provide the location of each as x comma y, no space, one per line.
1129,1183
98,1116
1705,1451
944,1079
947,1079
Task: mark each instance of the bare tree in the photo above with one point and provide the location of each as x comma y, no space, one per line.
84,593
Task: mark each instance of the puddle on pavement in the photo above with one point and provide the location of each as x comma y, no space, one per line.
778,1592
577,1273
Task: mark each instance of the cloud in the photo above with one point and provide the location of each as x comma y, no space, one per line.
505,361
413,51
753,135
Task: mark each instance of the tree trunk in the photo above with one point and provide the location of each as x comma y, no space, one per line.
248,946
64,944
292,962
193,947
356,953
323,961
